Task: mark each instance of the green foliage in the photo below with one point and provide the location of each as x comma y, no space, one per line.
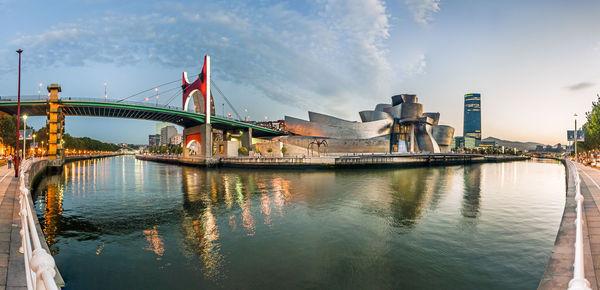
269,150
8,130
283,150
243,151
592,127
86,143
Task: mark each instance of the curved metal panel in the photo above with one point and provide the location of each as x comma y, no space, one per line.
435,117
326,119
404,98
369,116
425,141
411,111
381,107
340,130
443,134
395,111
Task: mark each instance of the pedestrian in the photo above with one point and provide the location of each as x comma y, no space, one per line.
10,159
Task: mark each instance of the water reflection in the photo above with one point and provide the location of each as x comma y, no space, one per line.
224,228
471,203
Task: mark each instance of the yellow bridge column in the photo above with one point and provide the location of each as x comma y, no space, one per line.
55,123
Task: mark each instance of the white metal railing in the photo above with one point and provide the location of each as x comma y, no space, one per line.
39,264
578,281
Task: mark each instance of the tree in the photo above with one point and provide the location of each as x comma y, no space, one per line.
8,130
592,126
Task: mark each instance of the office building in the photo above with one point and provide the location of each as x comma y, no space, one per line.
472,117
166,133
153,140
177,139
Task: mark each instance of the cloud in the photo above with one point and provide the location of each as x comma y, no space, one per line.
417,67
580,86
423,10
332,51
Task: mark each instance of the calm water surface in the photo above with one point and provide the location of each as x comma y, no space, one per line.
121,223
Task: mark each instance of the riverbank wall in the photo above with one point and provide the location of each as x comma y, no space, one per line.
325,162
559,269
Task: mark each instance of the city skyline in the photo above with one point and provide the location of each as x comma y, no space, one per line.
525,58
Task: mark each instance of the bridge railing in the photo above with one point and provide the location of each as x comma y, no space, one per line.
113,101
578,281
39,264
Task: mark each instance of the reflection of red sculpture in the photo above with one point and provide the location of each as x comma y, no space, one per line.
202,84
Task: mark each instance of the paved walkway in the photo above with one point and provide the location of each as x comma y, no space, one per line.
12,272
590,189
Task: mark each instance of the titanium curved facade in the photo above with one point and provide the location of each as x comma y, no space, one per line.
443,135
340,130
403,122
369,116
381,107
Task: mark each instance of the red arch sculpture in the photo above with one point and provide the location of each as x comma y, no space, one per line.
201,84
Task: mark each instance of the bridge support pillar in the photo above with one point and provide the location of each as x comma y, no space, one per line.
199,137
55,125
247,139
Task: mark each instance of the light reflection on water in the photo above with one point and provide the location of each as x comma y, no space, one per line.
149,225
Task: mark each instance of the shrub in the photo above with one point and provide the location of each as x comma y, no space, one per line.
269,150
243,151
283,150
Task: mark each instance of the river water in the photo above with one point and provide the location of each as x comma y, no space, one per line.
121,223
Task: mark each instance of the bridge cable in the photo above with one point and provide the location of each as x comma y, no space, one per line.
173,97
165,91
144,91
227,100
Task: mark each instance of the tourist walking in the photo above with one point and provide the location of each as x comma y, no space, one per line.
10,159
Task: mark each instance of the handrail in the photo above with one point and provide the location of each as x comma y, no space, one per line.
578,281
39,264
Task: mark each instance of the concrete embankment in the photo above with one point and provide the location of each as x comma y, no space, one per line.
84,157
559,269
358,161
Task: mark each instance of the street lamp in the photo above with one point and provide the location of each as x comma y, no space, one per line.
105,95
19,51
33,144
24,134
42,148
39,91
575,137
156,90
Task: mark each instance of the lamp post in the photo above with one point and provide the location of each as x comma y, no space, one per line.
33,144
575,137
24,134
19,51
105,95
42,148
39,91
156,90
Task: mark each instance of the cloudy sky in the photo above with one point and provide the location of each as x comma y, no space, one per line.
536,63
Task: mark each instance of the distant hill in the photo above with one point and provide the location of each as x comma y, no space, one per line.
514,144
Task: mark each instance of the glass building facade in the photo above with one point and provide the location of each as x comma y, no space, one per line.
472,118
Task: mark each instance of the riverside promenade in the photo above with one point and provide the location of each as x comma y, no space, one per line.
590,189
12,269
559,270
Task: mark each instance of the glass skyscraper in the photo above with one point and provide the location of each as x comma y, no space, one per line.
472,119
